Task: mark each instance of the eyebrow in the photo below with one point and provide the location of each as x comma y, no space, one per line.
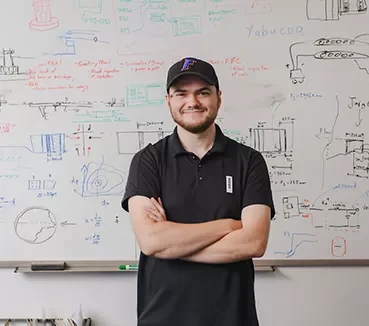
198,90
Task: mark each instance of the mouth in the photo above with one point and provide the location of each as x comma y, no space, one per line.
193,111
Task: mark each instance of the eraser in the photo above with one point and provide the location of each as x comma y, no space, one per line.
47,266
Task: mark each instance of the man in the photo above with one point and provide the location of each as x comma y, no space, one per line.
200,205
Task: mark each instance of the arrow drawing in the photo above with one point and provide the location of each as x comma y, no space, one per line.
66,223
282,167
360,119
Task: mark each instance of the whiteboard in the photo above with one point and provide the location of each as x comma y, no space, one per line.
82,89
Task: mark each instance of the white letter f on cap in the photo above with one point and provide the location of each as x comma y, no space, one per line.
187,64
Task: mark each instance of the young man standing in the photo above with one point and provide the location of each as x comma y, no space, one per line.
200,206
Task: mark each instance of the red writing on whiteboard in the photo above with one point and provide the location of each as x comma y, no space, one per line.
92,63
100,73
228,60
260,7
255,69
50,75
5,127
143,65
235,65
98,69
82,88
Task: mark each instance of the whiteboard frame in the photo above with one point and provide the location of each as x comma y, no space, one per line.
261,265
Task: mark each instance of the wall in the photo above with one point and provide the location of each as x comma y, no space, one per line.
287,297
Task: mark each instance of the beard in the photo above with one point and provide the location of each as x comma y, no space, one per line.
197,128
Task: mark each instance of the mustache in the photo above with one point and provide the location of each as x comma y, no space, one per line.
194,108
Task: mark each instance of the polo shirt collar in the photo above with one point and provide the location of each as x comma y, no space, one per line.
175,146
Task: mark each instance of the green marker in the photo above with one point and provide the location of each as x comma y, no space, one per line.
128,267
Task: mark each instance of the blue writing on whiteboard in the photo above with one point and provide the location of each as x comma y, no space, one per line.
6,202
46,194
297,239
267,31
53,145
95,238
100,179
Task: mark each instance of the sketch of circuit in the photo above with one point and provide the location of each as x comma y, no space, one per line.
335,218
329,214
53,145
356,50
291,207
328,10
130,142
100,179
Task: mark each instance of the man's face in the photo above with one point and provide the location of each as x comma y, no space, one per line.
193,103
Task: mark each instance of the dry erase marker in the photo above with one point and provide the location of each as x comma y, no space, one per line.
128,267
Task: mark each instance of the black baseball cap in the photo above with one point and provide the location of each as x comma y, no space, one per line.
192,66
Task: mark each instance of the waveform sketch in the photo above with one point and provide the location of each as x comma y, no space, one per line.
297,240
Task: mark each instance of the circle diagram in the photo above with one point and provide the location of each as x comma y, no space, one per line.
35,225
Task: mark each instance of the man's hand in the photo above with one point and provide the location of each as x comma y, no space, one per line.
248,242
165,239
157,214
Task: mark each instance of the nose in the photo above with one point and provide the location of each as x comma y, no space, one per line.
192,101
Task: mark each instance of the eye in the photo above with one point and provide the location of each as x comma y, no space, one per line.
204,93
180,94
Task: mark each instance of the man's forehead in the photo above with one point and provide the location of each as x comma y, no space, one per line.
190,81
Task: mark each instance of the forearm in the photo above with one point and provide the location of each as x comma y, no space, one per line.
235,246
171,240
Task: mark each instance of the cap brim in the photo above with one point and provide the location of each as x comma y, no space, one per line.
208,80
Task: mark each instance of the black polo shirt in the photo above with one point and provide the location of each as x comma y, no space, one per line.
173,292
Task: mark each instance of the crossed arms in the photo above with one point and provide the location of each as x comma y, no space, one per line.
220,241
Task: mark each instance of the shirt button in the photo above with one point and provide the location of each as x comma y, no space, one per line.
200,178
200,165
194,157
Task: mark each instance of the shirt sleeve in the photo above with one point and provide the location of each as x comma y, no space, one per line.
257,187
143,177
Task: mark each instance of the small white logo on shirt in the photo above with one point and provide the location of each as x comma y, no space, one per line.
229,184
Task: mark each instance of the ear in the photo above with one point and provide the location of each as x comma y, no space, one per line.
219,98
167,99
